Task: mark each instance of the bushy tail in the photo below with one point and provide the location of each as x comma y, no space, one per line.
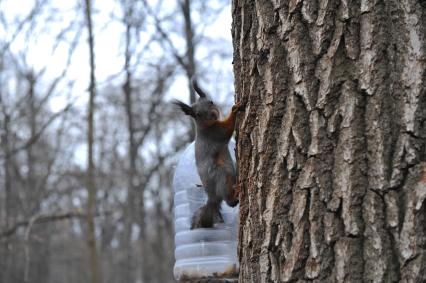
206,216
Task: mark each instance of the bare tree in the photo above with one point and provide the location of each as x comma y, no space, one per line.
28,158
186,59
132,148
189,67
331,147
91,186
48,197
5,260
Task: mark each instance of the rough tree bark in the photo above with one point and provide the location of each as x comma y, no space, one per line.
332,143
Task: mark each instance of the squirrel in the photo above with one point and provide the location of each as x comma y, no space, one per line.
213,160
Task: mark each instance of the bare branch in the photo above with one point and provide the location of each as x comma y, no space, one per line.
40,219
37,7
37,135
64,72
180,59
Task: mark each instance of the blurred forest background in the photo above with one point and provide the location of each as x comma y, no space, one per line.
87,150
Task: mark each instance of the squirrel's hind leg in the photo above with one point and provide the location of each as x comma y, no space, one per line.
225,188
207,215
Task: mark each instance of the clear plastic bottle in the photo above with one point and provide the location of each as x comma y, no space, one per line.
207,252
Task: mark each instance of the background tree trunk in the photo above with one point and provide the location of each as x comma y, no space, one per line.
91,186
5,261
132,150
185,6
332,141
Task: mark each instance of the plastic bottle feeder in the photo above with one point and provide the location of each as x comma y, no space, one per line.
206,252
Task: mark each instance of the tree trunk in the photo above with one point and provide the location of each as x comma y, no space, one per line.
9,200
91,186
34,268
332,143
190,46
190,67
132,153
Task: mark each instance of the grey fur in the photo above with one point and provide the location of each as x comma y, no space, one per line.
211,145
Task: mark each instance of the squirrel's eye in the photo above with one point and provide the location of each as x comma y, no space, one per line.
211,102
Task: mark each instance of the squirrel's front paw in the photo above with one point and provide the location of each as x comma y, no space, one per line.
238,107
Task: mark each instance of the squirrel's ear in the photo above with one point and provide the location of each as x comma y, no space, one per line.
184,107
197,89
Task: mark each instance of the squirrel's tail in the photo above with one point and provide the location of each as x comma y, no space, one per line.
206,216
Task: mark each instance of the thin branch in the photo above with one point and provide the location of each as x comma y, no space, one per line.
164,35
45,219
64,72
37,135
37,7
156,101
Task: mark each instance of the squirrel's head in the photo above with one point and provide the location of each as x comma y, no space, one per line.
203,111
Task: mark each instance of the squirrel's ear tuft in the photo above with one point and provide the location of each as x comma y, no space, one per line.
197,89
184,107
